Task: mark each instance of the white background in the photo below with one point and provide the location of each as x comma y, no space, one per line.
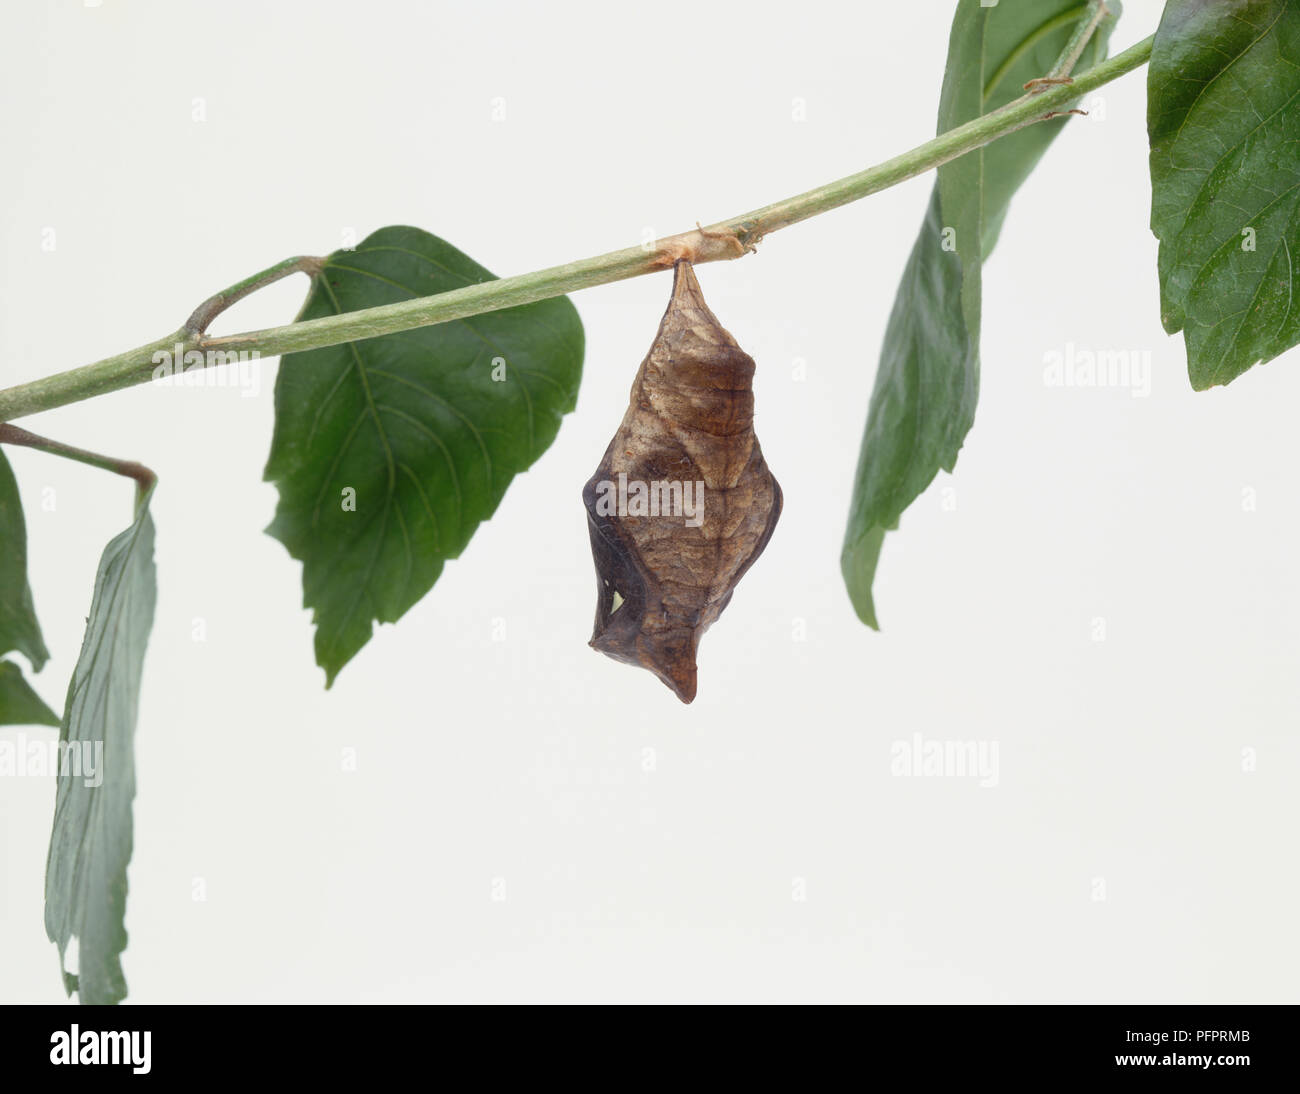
522,763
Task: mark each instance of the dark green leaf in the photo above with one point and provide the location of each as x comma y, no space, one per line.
18,627
927,383
85,876
389,452
1223,117
19,704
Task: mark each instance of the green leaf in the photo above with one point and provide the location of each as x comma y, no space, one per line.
1223,118
85,876
389,452
927,383
19,629
19,704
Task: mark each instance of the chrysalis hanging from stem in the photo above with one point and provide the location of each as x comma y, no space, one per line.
683,502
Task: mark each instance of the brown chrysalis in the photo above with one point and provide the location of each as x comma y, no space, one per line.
683,502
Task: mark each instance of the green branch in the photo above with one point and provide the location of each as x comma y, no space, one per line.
726,239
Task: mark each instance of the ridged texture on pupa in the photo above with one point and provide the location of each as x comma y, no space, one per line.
663,579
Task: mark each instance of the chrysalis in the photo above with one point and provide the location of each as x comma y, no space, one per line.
682,503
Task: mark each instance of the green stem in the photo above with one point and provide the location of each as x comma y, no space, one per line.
206,312
144,478
1097,11
724,240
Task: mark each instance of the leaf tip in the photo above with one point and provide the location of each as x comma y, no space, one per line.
858,563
